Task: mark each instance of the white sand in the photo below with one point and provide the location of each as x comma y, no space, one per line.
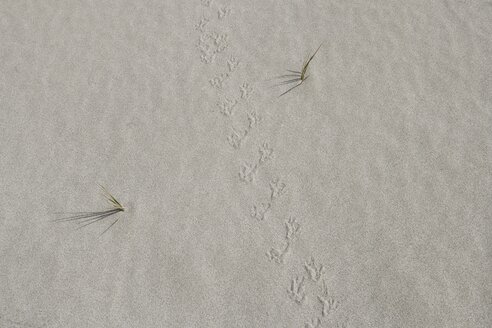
383,160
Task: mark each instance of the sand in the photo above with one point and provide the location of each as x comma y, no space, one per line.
361,198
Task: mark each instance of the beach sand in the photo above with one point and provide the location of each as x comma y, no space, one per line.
362,198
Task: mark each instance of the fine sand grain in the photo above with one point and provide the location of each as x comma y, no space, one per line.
361,198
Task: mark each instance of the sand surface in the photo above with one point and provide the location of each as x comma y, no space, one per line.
363,198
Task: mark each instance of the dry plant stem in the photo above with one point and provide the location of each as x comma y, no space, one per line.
300,76
87,218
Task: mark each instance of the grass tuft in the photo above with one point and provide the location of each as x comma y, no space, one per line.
83,219
298,77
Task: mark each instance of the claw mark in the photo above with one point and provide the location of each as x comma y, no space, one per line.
233,63
207,58
236,138
218,81
293,229
200,26
227,106
266,153
278,255
253,119
207,53
210,44
220,41
259,211
223,12
315,272
246,91
329,304
277,189
296,290
248,171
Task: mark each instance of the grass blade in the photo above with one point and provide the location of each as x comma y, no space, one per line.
112,224
295,86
